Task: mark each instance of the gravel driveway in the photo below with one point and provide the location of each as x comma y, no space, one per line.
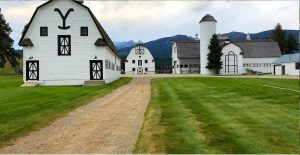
107,125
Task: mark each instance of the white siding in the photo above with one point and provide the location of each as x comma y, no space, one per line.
259,64
175,60
237,51
146,56
290,69
66,70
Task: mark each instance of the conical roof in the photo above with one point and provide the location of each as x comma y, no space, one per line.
208,17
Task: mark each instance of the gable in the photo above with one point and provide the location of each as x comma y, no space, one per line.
147,53
102,34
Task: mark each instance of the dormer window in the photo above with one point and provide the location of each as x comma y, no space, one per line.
64,45
44,31
84,31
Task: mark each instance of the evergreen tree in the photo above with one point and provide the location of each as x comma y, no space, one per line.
291,44
7,52
214,55
279,36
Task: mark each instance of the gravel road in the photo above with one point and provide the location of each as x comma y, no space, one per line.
107,125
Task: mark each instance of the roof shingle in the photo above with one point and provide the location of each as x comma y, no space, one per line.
259,49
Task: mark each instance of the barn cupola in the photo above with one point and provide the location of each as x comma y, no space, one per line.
207,30
248,36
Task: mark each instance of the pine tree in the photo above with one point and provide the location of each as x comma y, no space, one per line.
7,52
279,36
214,55
291,44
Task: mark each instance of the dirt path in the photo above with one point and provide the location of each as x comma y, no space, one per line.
107,125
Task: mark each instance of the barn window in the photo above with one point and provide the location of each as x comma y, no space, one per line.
44,31
297,65
146,61
133,61
181,66
84,31
231,63
185,66
146,69
64,45
133,69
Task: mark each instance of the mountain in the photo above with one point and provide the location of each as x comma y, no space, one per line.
160,49
258,36
121,45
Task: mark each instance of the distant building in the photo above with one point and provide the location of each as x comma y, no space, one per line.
288,64
186,57
139,61
64,44
238,57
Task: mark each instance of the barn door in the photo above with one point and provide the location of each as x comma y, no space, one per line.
140,70
231,63
96,70
283,70
32,70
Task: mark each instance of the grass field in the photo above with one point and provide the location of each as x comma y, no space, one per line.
220,115
25,109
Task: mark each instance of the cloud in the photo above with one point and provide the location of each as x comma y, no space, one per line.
148,20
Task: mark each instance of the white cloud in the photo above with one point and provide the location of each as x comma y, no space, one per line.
148,20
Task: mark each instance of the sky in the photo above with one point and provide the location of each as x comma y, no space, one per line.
150,20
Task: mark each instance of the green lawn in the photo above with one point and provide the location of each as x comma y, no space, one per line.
25,109
220,115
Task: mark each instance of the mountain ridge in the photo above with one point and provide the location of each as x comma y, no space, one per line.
161,48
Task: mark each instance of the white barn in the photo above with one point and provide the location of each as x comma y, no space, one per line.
288,64
64,44
238,57
139,61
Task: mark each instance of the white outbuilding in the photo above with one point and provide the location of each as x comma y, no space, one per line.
139,61
239,57
288,64
64,44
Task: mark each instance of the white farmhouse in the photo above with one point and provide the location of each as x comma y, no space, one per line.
64,44
139,61
238,57
288,64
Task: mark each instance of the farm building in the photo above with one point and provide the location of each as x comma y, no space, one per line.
186,57
139,61
288,64
64,44
238,56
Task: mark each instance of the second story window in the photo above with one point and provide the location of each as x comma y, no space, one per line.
64,45
146,61
44,31
84,31
133,61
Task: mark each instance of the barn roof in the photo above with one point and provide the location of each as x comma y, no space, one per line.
208,17
100,28
259,48
288,58
190,61
188,49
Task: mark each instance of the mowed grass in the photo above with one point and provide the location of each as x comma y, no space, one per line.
220,115
25,109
